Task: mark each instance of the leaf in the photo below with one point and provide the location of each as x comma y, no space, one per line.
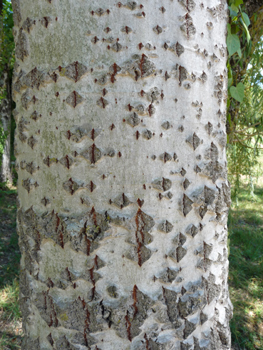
237,92
230,75
245,25
232,13
245,18
234,8
233,43
234,29
238,2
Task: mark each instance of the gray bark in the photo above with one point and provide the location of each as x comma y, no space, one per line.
123,191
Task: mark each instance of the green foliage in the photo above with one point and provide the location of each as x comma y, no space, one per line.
244,151
6,37
242,161
245,95
254,77
237,92
3,136
238,45
6,58
233,43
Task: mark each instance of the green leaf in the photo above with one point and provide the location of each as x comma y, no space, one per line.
234,29
234,8
237,92
232,13
233,43
245,25
238,2
230,75
245,18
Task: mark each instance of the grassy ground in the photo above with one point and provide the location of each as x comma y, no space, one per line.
245,276
246,269
10,318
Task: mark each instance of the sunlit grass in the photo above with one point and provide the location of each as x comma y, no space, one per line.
8,302
246,269
10,317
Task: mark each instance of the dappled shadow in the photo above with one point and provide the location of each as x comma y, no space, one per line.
9,250
10,320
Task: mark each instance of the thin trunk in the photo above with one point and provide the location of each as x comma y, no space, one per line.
5,114
122,174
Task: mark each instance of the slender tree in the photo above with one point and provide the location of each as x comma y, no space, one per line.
6,49
6,114
123,192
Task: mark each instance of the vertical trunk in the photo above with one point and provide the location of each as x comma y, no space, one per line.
122,174
5,113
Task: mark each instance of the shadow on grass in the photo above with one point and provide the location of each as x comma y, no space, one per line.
10,317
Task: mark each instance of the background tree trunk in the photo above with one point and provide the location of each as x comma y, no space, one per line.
123,189
6,113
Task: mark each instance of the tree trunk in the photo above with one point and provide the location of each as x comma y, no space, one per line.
6,113
123,188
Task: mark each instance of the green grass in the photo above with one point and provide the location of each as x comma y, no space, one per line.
10,317
8,301
246,269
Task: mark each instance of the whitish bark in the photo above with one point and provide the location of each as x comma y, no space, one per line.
122,174
5,115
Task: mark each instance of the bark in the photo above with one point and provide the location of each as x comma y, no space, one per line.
123,192
5,113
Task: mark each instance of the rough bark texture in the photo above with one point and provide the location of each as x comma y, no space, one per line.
5,115
122,174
